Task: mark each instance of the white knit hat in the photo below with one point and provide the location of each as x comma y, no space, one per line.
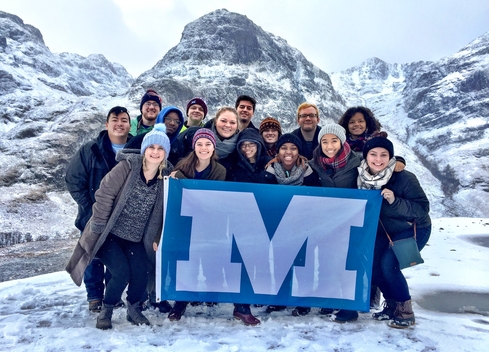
335,129
156,136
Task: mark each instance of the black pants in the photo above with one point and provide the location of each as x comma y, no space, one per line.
128,263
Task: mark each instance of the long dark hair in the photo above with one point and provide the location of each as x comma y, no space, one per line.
188,164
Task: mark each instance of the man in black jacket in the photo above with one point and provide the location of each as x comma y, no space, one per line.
83,175
308,131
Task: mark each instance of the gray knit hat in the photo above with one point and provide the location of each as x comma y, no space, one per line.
157,136
335,129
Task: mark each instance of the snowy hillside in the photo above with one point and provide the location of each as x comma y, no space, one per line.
440,110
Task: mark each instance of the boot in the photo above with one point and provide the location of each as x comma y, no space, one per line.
388,312
271,309
163,306
403,316
177,311
242,312
345,316
95,306
134,314
298,311
104,319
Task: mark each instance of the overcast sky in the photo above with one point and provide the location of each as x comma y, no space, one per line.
334,35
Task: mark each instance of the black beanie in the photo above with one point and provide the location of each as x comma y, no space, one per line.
150,95
290,138
378,142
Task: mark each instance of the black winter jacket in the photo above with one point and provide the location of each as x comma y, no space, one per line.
346,177
85,171
411,204
306,151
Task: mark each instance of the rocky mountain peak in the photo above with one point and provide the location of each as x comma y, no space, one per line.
12,27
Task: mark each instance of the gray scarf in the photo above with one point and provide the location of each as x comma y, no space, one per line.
225,147
295,176
368,181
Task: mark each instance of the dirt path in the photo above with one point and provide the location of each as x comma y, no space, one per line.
34,258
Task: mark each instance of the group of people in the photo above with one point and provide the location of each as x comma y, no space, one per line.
116,179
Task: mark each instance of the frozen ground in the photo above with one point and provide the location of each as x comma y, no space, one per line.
450,293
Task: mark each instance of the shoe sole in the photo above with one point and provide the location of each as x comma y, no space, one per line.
401,326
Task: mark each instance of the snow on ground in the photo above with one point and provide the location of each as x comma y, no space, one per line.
450,293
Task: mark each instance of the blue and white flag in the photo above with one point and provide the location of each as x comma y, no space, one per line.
267,244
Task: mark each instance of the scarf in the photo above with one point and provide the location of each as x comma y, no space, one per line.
338,161
368,181
295,176
357,144
225,147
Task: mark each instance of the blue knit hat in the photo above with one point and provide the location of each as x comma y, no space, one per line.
157,136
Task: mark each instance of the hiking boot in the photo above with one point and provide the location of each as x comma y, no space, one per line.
243,312
301,311
326,311
95,306
163,306
345,316
388,312
177,311
271,309
403,316
119,304
104,319
134,314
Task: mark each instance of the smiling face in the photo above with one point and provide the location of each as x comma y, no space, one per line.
245,111
377,159
308,119
330,145
288,153
203,149
270,135
172,121
226,124
150,111
118,127
154,154
195,115
249,150
357,125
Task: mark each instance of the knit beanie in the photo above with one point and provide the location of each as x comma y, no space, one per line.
150,95
270,123
156,136
198,101
204,133
378,142
333,128
290,138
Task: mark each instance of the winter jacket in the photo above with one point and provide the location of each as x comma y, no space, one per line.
137,128
85,171
345,177
111,197
411,204
216,172
186,126
306,151
243,171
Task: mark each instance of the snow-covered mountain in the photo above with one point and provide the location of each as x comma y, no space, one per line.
223,54
440,110
52,103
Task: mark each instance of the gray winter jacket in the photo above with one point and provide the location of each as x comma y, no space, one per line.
110,200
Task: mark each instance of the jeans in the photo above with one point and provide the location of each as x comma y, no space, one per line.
93,278
385,270
128,264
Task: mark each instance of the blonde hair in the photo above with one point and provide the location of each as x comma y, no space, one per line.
161,167
305,106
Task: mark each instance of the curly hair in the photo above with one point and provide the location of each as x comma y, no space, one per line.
372,123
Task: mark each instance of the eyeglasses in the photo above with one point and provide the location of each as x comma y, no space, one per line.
305,116
153,104
248,146
173,121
